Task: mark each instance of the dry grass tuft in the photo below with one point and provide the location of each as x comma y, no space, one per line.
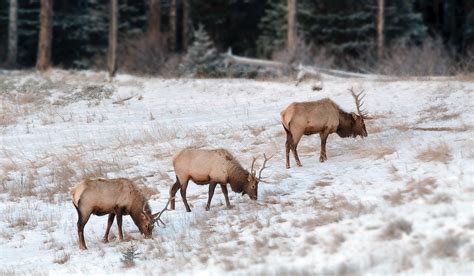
440,153
445,247
256,130
62,259
375,152
322,183
149,191
335,242
395,229
414,190
437,113
440,198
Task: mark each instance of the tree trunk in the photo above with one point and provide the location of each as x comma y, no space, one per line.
291,43
45,36
380,29
185,24
154,20
173,28
12,33
112,51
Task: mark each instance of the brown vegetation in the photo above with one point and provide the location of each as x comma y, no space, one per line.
440,153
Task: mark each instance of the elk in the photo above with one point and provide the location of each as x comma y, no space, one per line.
116,197
213,167
323,117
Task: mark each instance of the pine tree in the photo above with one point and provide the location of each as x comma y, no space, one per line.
273,28
342,27
202,58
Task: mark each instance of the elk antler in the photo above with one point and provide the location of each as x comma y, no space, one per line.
252,171
158,215
144,211
358,101
263,166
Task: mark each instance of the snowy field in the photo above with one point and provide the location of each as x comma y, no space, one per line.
399,201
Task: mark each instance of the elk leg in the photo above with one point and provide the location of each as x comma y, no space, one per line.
322,155
226,195
173,191
212,187
296,139
110,221
81,223
184,186
119,224
287,148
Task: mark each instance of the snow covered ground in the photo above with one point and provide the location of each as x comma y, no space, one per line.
399,201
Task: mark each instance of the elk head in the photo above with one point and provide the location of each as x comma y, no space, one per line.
359,124
148,220
251,188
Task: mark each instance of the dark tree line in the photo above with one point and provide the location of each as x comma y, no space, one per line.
81,35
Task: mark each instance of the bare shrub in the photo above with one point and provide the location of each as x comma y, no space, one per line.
440,153
431,58
395,229
141,55
25,187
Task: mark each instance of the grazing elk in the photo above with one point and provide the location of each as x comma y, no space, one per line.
116,197
323,117
213,167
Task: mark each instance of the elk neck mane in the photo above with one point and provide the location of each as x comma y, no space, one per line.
137,205
346,124
237,176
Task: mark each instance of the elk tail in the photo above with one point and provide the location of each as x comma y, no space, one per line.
72,192
284,120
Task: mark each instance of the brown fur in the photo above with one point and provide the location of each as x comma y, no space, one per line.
323,117
116,197
211,167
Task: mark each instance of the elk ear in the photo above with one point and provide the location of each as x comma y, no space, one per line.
354,116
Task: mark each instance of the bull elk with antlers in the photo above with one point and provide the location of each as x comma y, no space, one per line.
116,197
213,167
323,117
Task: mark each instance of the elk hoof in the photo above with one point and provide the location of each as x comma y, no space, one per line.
105,240
287,166
207,209
82,247
299,165
321,159
229,207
